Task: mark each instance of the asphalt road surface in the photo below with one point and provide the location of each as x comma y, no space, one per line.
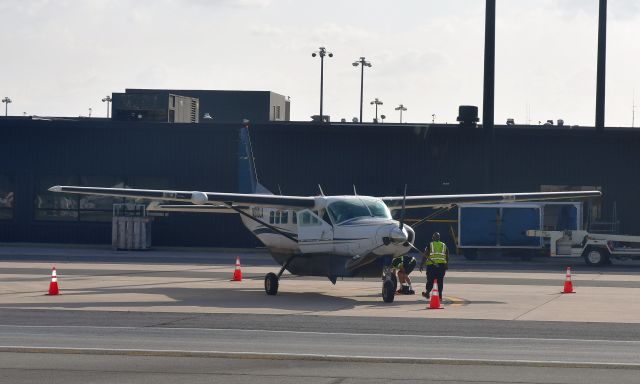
106,347
66,340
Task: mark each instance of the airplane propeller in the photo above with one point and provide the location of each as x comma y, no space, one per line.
404,200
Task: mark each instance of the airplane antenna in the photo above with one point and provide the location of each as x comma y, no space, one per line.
355,193
321,191
252,159
633,110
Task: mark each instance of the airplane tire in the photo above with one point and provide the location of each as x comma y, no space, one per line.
394,278
271,283
388,291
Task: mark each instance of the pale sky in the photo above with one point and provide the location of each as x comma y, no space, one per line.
61,57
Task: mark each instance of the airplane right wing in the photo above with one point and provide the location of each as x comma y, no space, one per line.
395,202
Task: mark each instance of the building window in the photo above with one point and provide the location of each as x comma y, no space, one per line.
277,112
55,206
99,208
172,101
7,197
66,207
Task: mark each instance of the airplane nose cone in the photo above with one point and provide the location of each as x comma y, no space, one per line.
398,235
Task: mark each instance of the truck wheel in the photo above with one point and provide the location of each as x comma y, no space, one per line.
470,254
595,256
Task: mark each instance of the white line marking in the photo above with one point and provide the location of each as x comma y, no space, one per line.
311,356
328,333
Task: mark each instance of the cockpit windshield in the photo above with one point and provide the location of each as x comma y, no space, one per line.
343,210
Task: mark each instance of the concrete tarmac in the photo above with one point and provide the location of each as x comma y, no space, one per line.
190,288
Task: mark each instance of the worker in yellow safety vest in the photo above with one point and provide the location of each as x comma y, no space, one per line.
436,257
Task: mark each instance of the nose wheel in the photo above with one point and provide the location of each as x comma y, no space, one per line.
389,285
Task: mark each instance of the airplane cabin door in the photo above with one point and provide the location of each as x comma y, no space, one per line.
314,234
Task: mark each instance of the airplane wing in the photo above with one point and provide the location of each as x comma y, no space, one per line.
195,197
155,206
395,202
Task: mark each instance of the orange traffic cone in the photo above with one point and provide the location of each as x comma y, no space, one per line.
568,285
53,287
434,303
237,274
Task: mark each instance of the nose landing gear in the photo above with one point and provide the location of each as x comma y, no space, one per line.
389,285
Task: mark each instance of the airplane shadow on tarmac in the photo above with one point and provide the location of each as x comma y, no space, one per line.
237,298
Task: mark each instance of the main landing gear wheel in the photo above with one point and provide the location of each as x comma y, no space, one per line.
271,282
388,291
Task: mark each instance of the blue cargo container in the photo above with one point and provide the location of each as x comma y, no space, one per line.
504,226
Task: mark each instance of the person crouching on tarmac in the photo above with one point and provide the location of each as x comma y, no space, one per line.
436,257
404,265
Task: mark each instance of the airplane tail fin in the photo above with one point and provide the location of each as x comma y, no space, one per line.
247,174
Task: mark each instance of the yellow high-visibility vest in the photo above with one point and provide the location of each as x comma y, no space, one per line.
437,253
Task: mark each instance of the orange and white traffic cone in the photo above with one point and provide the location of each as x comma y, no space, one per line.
568,285
237,274
53,286
434,303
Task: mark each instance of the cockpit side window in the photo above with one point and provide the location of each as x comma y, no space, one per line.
307,218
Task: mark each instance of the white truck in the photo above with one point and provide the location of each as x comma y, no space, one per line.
595,248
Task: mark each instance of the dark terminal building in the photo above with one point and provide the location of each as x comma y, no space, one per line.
292,157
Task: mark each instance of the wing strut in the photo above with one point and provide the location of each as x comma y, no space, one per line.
275,229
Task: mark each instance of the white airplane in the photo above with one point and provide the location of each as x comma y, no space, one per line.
329,236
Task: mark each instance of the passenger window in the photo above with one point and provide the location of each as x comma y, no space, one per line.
285,217
306,218
272,215
277,217
294,217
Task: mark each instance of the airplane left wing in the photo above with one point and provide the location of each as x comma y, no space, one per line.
395,202
195,197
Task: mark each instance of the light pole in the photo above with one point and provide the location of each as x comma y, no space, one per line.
401,108
322,52
376,102
90,110
362,63
107,99
6,102
382,117
433,118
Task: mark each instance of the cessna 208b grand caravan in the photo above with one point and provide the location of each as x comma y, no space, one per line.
329,236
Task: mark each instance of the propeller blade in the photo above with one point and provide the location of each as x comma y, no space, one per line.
404,200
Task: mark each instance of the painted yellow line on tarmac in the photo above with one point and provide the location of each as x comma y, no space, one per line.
453,301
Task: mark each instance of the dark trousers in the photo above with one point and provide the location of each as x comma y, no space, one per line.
436,271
